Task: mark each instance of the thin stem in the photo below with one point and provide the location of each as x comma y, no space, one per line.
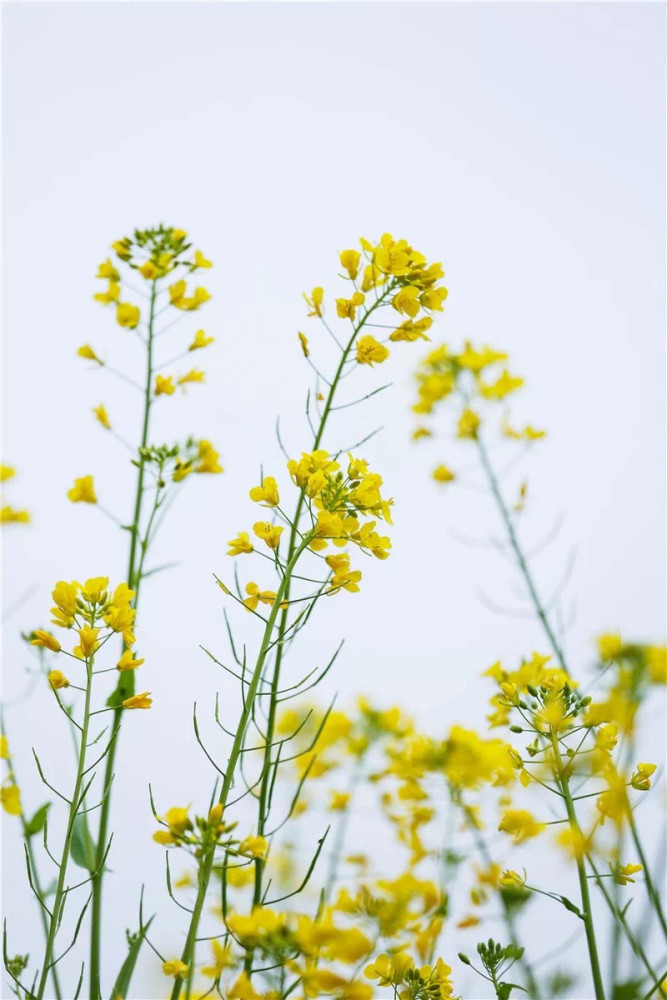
650,885
60,893
96,909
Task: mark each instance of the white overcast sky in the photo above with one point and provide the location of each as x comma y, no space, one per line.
520,144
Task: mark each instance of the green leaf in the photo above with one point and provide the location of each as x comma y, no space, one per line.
124,689
121,987
82,847
36,824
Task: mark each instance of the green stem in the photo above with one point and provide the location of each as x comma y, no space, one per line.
518,552
587,912
206,863
134,583
59,897
650,885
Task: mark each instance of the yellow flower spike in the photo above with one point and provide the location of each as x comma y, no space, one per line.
200,340
10,798
468,424
240,545
86,351
208,459
269,533
127,315
142,700
57,680
349,260
200,260
315,302
641,779
83,491
164,385
443,474
303,340
370,351
128,662
88,637
45,639
174,967
254,847
266,494
102,416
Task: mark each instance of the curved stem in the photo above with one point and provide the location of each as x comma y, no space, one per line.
133,581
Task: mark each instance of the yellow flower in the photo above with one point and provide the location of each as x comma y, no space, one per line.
45,639
407,301
468,424
164,385
139,701
102,416
223,958
610,646
520,824
86,351
623,873
10,797
411,331
107,270
607,737
370,351
58,680
88,637
255,595
127,315
512,880
240,545
4,747
347,308
421,432
64,597
303,340
112,294
150,271
442,474
174,967
338,801
502,387
200,260
188,303
200,340
656,659
208,458
122,248
349,260
270,533
6,472
254,847
83,491
10,515
266,494
528,433
128,662
315,301
641,779
94,590
192,376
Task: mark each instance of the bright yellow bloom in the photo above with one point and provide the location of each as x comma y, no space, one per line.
243,989
10,798
266,494
58,680
607,737
122,248
270,533
200,340
223,958
102,416
86,351
347,308
10,515
88,637
370,351
475,360
127,315
407,301
64,597
641,779
656,659
192,376
255,596
512,880
520,824
240,545
174,967
610,646
83,491
468,424
164,385
623,873
503,386
107,270
45,639
442,474
139,701
128,662
208,458
411,331
200,260
6,472
188,303
338,801
315,301
389,970
349,260
529,433
112,294
150,270
4,747
254,847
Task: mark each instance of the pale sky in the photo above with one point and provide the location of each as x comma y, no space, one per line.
520,144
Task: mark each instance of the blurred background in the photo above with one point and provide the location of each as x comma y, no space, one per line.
520,144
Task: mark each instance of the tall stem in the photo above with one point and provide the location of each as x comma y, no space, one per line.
59,897
133,581
650,885
206,864
578,837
